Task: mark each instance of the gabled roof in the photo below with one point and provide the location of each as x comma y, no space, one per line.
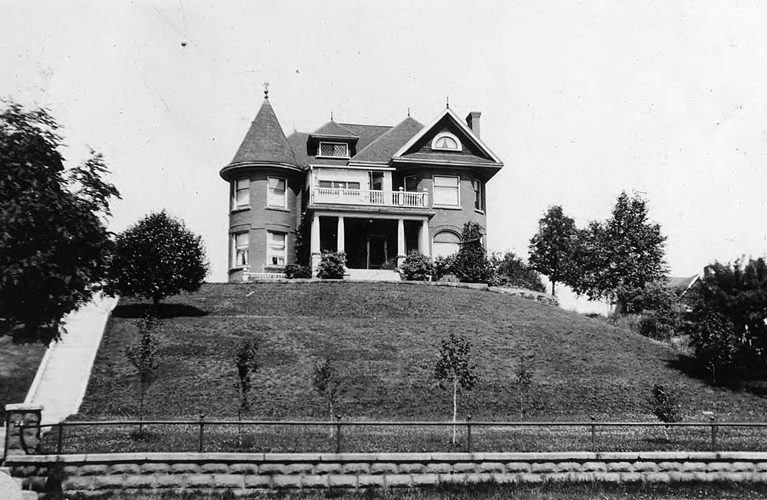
450,115
265,141
333,129
382,149
681,285
366,133
297,142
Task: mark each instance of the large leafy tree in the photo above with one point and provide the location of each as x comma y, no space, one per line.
620,255
552,249
54,245
156,258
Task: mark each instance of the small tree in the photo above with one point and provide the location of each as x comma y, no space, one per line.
454,368
143,356
417,267
332,266
553,246
246,363
156,258
664,404
524,382
471,263
327,382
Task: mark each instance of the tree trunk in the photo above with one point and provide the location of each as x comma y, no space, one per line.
553,288
455,405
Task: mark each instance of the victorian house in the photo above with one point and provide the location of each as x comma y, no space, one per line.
375,192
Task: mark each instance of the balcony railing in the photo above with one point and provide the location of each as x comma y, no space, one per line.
406,199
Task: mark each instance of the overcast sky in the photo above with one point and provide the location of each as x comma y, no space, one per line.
579,99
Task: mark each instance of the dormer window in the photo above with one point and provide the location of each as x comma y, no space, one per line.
334,149
446,142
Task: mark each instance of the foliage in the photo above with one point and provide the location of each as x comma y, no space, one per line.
664,404
417,267
143,356
552,249
727,321
658,309
626,252
55,244
443,266
327,382
512,271
454,367
246,363
471,264
332,266
295,271
156,258
303,240
524,381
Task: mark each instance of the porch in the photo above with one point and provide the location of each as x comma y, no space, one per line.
370,197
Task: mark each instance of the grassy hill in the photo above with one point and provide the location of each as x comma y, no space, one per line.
18,366
385,337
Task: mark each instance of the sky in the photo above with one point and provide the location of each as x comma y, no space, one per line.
580,99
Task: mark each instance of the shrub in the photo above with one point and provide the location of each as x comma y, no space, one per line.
471,263
443,266
664,404
512,271
417,267
295,271
332,266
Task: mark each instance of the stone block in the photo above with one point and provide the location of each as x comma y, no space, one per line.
145,481
425,479
168,481
518,467
761,466
760,477
214,468
465,467
410,468
607,477
681,477
108,482
398,480
355,468
370,481
316,481
34,483
199,481
438,468
568,467
743,467
646,467
670,466
582,477
29,495
153,468
544,467
258,482
93,470
477,478
594,467
496,467
232,481
342,481
719,466
738,476
327,468
693,466
383,468
272,469
71,470
243,468
531,478
631,477
124,469
77,483
505,478
619,467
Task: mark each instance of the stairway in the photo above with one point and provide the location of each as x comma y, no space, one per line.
372,275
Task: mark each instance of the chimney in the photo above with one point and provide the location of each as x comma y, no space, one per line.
472,120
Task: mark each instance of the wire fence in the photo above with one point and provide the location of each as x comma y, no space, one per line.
339,436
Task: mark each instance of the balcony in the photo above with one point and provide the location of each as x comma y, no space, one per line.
335,196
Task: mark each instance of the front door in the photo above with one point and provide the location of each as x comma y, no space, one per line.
377,251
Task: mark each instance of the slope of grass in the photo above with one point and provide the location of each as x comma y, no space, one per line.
384,338
18,366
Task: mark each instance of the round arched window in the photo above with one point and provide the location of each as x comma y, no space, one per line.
445,243
447,142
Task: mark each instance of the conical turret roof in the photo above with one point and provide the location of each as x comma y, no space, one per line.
265,141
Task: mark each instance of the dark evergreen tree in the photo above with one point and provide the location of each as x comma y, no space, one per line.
471,264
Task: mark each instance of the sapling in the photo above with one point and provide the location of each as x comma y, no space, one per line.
143,356
454,368
327,382
246,363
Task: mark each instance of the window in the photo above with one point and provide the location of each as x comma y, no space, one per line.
240,243
276,196
446,141
411,183
445,243
479,195
334,149
376,181
276,248
446,191
240,193
339,185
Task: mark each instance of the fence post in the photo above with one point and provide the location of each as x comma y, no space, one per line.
593,436
202,431
60,439
714,429
338,433
468,434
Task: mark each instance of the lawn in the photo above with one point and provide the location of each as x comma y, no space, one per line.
18,366
384,338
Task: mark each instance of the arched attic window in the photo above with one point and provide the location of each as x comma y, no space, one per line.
446,142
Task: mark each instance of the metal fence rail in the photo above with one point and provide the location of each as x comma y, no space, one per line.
591,428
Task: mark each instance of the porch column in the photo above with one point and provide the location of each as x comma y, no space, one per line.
400,242
340,236
315,243
423,238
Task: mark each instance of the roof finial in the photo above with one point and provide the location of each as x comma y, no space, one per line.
331,115
266,90
408,111
447,102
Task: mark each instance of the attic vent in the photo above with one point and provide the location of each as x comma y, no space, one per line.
334,149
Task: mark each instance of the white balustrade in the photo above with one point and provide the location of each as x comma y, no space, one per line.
371,198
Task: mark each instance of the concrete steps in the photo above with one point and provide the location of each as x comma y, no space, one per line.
372,275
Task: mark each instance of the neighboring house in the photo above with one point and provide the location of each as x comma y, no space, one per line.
680,286
375,192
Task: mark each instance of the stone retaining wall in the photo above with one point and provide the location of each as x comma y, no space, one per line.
241,473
